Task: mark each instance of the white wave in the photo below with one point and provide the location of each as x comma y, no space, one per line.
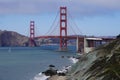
64,69
73,60
41,76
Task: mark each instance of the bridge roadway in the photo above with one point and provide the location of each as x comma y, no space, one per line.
68,37
83,42
75,37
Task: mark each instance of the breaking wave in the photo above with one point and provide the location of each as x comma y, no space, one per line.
42,76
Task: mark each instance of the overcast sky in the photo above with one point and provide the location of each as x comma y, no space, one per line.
93,17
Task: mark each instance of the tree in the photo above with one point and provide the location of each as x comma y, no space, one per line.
118,36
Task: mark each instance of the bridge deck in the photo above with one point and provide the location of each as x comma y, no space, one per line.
68,37
74,37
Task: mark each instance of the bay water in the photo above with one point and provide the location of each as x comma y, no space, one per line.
24,63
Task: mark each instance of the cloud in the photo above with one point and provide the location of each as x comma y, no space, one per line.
77,7
96,7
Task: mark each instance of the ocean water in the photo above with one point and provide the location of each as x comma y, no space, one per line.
24,63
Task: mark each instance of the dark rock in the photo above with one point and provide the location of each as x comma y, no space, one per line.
50,72
51,65
61,74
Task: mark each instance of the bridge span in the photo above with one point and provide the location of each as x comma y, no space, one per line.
84,44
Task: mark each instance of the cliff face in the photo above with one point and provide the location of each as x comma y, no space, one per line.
101,64
10,38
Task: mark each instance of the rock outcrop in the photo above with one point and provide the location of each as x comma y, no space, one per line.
10,38
100,64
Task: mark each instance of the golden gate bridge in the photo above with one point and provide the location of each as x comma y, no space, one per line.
84,44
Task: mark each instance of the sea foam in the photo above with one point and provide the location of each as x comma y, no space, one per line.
41,76
73,60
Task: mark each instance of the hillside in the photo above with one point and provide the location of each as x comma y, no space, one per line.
100,64
10,38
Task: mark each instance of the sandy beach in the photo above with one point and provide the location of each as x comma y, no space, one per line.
56,77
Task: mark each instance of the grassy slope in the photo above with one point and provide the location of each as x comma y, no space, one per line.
101,64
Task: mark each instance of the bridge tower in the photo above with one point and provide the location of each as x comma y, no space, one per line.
32,33
63,28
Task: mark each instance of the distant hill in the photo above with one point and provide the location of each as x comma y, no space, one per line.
11,38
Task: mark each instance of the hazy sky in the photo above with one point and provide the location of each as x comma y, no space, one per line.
93,17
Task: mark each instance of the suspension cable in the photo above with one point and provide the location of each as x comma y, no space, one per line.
71,17
54,29
52,23
72,29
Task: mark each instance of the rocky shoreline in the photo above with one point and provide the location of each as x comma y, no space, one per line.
101,64
54,74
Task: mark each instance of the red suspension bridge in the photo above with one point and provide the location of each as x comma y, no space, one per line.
83,43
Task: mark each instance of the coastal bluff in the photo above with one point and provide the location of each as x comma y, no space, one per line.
13,39
101,64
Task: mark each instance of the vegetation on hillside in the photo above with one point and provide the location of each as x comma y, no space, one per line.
10,38
101,64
